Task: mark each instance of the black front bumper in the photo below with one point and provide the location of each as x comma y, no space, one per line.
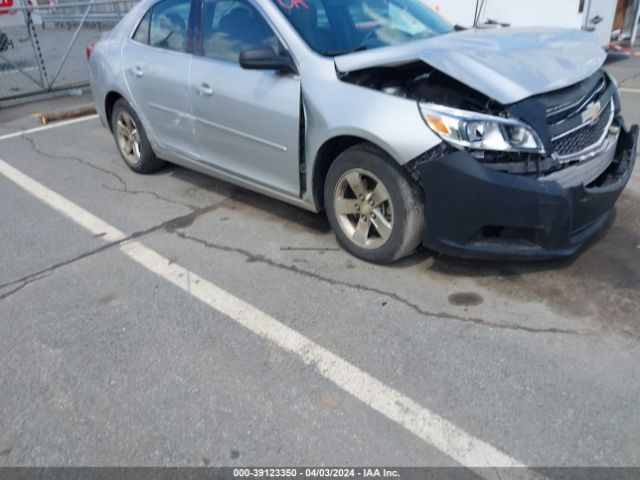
474,211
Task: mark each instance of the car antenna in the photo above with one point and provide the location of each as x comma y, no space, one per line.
476,18
475,15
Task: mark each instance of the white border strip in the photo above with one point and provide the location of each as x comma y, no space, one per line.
47,127
461,446
629,90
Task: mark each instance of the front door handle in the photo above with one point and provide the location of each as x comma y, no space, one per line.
138,72
205,89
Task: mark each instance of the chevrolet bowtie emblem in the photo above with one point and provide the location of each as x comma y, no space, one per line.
592,113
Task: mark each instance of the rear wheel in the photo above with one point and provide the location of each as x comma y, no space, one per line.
375,208
131,139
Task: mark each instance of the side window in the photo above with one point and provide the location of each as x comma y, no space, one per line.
231,26
142,32
169,22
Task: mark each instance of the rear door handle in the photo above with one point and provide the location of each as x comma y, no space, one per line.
138,72
205,89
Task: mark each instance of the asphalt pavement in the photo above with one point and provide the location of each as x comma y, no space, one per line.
176,320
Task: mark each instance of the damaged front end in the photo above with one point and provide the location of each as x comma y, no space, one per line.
532,179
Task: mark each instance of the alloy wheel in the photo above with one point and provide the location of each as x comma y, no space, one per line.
363,207
128,137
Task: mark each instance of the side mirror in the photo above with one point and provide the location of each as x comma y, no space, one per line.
266,59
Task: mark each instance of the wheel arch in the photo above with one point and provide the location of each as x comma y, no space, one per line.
110,100
327,154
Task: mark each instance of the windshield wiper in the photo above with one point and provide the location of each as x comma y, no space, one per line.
335,53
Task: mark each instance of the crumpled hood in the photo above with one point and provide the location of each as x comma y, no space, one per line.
507,65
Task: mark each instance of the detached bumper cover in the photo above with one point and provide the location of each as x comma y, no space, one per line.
474,211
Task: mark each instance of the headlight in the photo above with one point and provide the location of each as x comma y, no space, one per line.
479,131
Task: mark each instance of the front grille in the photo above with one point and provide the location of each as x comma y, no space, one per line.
574,140
572,105
585,137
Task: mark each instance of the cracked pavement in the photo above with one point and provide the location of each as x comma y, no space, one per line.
102,363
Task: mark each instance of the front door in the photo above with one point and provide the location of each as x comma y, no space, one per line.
247,121
156,65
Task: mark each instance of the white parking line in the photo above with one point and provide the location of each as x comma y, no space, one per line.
66,207
47,127
458,444
629,90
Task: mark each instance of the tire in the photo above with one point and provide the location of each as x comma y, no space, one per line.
131,139
353,199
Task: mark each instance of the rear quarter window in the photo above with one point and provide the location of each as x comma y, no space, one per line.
142,32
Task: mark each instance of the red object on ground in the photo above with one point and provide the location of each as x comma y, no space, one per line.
89,50
6,4
624,50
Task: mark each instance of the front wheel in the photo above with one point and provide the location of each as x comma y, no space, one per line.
374,207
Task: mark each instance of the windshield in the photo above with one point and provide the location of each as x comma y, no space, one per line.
336,27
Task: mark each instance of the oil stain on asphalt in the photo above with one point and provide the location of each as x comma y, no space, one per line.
465,299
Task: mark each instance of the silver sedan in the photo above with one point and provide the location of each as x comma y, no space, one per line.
405,130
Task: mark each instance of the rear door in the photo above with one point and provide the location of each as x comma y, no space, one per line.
156,65
247,121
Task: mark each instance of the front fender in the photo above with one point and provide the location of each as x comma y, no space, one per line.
334,108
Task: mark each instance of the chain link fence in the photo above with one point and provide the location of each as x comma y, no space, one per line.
42,47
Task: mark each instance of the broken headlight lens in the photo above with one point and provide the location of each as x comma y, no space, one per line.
479,131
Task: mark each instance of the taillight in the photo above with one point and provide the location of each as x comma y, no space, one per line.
89,50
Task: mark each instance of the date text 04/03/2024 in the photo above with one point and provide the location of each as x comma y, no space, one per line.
322,472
